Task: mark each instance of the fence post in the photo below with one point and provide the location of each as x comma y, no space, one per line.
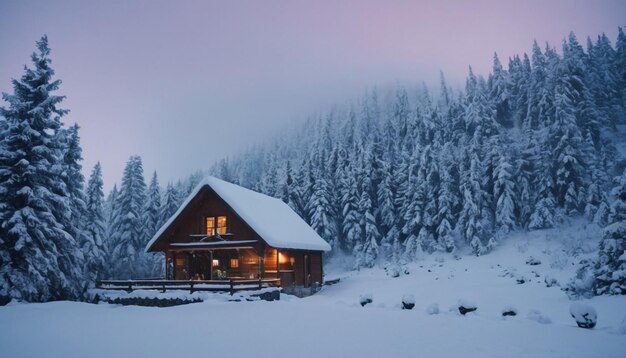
191,287
232,289
260,283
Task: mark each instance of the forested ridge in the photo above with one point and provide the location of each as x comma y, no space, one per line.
384,179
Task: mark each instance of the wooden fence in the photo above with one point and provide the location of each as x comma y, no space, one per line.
231,285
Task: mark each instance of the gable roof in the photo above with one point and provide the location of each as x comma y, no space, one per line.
272,219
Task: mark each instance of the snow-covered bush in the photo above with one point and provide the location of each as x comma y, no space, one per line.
408,302
366,298
581,285
432,309
509,311
533,261
392,270
550,281
536,315
466,306
585,315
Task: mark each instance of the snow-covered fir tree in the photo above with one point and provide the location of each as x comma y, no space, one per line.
94,231
40,259
610,270
128,235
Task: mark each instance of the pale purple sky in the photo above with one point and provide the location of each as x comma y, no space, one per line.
184,83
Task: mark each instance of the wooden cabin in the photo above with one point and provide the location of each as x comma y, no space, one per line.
224,231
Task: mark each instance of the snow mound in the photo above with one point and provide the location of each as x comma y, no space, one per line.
408,302
509,311
622,327
536,315
466,306
584,314
432,309
366,298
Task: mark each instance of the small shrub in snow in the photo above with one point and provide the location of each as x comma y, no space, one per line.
408,302
585,315
520,280
582,283
533,261
536,315
550,281
366,298
466,306
432,309
392,271
509,311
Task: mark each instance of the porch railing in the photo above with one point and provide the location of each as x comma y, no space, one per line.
230,285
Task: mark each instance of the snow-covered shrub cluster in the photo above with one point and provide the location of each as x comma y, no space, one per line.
365,299
509,311
585,315
550,281
465,306
408,302
533,261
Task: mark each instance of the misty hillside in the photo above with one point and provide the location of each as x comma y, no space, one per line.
399,173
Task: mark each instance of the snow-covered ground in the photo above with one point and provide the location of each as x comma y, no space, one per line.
333,324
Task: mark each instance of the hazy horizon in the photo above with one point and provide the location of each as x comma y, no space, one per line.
201,81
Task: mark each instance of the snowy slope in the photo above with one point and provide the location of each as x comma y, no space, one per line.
338,326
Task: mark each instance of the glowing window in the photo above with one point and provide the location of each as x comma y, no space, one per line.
210,226
221,225
216,262
234,263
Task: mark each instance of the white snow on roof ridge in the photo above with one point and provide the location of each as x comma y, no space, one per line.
271,218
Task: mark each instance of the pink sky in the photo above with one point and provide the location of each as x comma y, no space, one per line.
185,83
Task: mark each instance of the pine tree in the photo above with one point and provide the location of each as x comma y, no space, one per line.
40,259
610,269
95,227
170,203
505,195
152,211
499,93
129,238
320,209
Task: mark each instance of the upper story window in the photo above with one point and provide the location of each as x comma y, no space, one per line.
216,225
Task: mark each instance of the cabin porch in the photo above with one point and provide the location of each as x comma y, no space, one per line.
230,263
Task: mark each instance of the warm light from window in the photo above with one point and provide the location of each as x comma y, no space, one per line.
216,262
180,261
221,225
234,263
282,258
210,226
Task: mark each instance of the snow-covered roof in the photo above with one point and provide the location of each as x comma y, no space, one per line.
273,220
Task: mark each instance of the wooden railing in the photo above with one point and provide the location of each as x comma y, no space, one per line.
230,285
